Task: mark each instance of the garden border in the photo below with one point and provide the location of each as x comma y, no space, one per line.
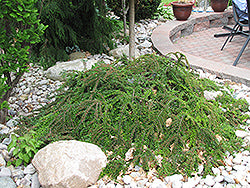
164,36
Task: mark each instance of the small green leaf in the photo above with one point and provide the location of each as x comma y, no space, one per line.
15,151
9,163
18,162
13,15
26,158
20,8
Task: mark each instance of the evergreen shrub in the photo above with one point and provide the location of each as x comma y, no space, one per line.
152,104
143,8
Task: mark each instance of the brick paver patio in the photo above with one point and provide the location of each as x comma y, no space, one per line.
205,45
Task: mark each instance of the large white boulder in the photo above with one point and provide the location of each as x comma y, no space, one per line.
56,72
69,164
123,50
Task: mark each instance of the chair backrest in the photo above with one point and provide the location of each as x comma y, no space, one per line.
236,11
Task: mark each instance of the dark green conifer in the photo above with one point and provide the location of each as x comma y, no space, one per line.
78,22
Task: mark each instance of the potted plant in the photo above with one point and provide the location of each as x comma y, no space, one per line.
182,9
219,5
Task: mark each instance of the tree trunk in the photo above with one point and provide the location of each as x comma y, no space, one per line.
124,14
131,29
6,96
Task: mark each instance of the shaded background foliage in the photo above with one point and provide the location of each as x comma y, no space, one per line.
143,8
78,22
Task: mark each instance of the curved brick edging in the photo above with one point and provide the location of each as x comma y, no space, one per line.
164,36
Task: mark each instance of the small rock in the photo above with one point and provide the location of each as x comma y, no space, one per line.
228,168
6,141
11,123
175,178
26,91
239,168
17,173
216,171
127,179
5,130
2,161
229,179
5,172
6,155
209,180
142,183
145,44
43,82
3,146
217,185
211,95
29,169
157,183
23,98
110,185
26,181
219,178
237,161
177,184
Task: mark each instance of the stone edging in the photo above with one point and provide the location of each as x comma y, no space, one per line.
164,36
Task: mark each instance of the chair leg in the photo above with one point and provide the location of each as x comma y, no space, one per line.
230,36
238,28
241,51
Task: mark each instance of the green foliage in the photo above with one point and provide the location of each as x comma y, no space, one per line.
25,147
19,29
153,104
3,90
165,12
79,22
143,8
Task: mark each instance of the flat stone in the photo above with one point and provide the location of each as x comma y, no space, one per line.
241,134
34,181
56,72
7,182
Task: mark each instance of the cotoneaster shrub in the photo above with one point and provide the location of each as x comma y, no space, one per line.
154,105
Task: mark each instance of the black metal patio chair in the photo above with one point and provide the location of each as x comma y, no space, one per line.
238,27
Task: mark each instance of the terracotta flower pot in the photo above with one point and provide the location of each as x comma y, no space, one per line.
182,11
219,5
